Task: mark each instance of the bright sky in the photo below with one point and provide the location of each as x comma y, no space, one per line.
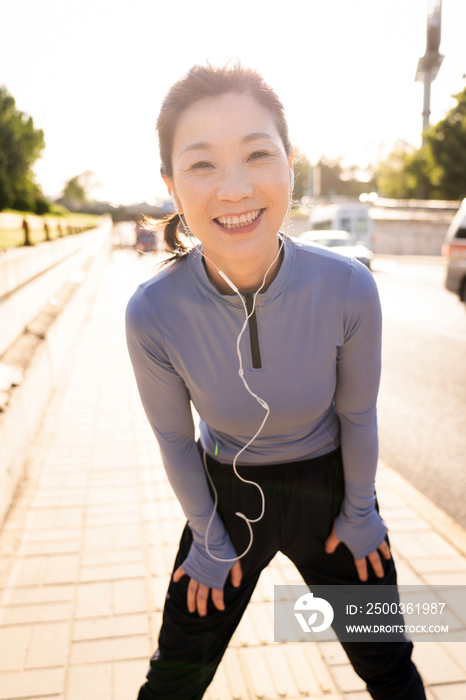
93,73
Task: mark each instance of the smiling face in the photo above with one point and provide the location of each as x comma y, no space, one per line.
231,179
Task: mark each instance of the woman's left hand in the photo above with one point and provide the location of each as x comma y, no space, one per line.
361,564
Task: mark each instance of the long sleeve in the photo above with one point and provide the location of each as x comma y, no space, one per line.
359,525
166,402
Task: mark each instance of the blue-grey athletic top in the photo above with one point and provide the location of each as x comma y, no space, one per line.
319,336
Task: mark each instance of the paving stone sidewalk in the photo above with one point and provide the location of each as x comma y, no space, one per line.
87,549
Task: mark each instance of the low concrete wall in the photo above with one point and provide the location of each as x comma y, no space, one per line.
19,423
398,237
411,227
30,276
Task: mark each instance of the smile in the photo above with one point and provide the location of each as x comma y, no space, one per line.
240,221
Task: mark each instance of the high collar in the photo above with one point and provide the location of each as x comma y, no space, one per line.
276,288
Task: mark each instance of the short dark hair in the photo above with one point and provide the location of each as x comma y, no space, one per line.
200,83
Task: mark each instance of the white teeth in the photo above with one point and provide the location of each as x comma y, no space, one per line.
239,221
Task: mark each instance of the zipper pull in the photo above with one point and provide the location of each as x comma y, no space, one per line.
253,332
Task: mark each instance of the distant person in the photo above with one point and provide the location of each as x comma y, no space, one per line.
299,420
146,239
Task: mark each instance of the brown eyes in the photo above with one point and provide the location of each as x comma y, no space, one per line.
203,164
258,154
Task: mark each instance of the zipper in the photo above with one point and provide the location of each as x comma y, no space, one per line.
253,332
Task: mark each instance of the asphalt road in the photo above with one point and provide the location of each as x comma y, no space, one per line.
422,400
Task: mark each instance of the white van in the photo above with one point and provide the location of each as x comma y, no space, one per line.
454,249
343,216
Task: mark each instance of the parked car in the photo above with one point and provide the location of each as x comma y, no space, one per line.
454,249
340,242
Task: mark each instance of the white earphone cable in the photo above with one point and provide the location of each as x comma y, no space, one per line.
262,403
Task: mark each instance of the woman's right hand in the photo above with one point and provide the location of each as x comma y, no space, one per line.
198,593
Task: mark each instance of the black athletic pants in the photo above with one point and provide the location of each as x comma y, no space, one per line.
302,499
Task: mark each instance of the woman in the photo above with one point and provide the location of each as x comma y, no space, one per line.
309,361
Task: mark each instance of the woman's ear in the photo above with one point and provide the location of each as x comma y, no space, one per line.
169,183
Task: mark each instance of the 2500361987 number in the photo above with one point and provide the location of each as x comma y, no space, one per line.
408,608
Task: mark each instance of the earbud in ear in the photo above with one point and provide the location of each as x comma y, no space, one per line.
172,196
291,180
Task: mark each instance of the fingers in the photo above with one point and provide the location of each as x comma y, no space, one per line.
375,561
202,597
191,595
179,573
202,593
361,566
385,549
217,599
236,574
332,542
198,595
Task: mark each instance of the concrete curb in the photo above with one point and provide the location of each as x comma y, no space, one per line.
438,520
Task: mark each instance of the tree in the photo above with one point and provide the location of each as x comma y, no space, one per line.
350,181
301,169
77,190
446,153
20,146
437,170
334,177
330,176
404,174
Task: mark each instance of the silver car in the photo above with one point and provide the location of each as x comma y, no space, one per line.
454,249
340,242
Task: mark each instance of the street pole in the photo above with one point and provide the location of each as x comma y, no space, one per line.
316,180
429,64
426,111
